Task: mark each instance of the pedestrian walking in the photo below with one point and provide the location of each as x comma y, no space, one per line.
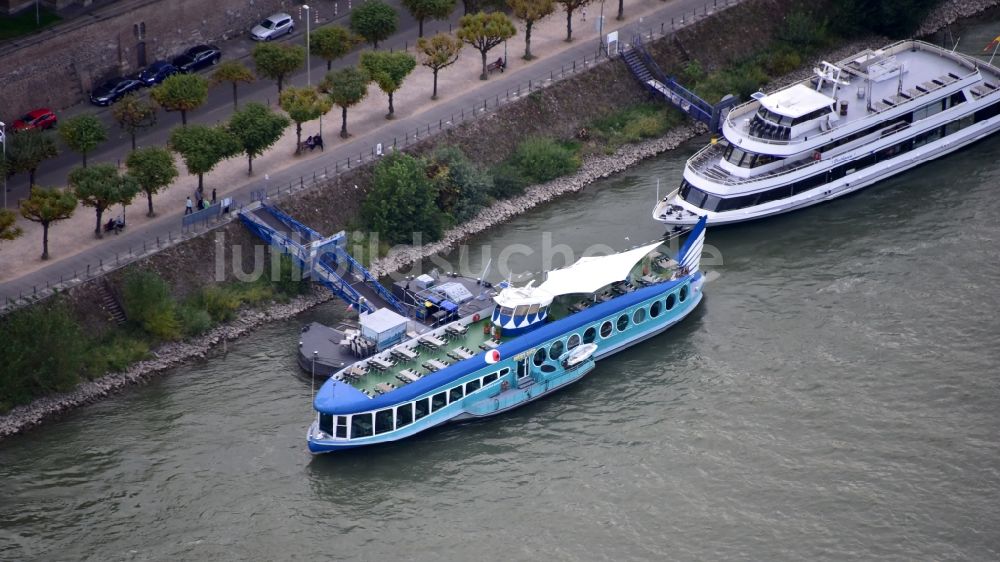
213,196
188,207
584,14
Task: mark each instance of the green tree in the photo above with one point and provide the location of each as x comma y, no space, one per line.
42,351
133,114
302,105
530,11
153,169
438,52
570,6
8,227
181,92
234,72
429,9
332,42
463,188
388,70
275,61
403,200
485,31
148,303
46,206
202,148
26,150
101,186
375,21
345,88
257,128
82,133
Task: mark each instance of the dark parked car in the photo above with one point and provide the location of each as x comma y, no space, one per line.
113,90
156,73
197,58
42,118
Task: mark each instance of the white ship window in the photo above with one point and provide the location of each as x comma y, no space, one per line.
326,423
622,323
440,400
421,408
521,310
590,335
404,415
342,427
639,316
606,330
556,349
471,387
684,293
455,394
361,425
383,421
573,343
489,378
671,299
654,309
539,357
533,308
506,311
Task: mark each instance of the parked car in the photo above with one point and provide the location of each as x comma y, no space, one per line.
113,90
272,27
41,118
197,58
156,73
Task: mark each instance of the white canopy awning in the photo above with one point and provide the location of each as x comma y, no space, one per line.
796,101
590,274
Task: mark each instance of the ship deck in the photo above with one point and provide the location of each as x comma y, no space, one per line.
423,354
924,70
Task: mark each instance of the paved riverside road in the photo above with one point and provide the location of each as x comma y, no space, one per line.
496,88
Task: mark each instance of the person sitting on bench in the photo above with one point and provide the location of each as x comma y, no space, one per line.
500,64
317,142
310,143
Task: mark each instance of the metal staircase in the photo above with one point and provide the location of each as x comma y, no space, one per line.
659,84
325,259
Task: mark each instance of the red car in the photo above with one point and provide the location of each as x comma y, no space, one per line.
37,119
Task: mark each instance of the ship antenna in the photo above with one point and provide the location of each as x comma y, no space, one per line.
657,189
956,44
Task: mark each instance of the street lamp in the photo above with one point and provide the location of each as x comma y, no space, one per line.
3,139
308,66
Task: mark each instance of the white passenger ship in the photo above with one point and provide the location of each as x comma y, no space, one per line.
853,123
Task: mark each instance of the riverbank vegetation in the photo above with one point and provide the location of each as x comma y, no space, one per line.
46,349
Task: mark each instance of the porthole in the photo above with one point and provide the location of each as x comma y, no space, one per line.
639,316
671,299
590,335
539,357
606,329
684,293
573,342
622,322
655,309
556,349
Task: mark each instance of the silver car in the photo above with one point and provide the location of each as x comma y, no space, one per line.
272,27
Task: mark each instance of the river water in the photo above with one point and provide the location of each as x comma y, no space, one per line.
834,397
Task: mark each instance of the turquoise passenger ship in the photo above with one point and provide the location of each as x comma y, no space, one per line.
532,341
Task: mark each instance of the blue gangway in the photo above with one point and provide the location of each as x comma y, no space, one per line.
325,258
660,84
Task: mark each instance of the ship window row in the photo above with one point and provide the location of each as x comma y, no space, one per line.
607,328
785,121
523,309
710,202
744,159
389,419
884,129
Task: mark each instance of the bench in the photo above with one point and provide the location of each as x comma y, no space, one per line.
496,65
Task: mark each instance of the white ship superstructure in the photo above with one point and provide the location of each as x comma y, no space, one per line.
853,123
